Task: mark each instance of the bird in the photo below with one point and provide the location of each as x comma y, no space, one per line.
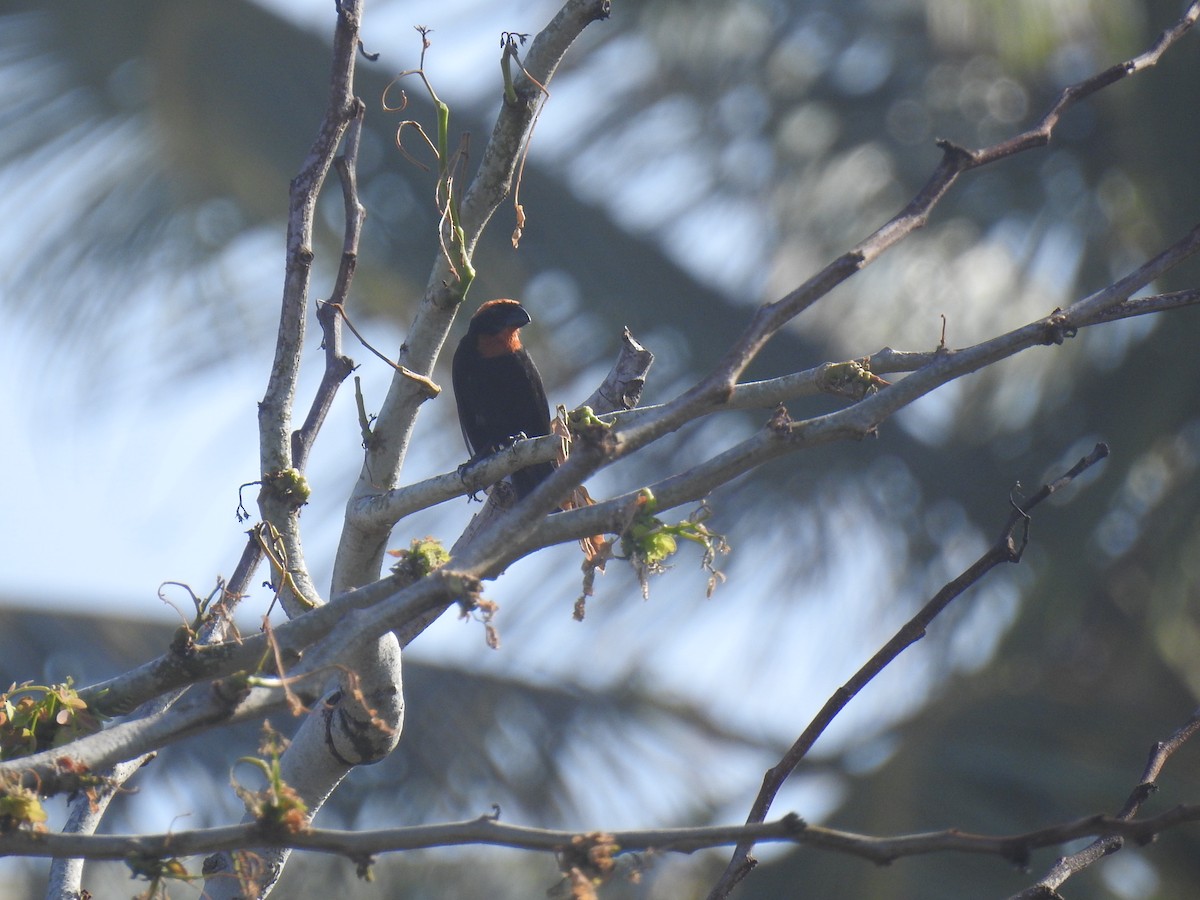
498,389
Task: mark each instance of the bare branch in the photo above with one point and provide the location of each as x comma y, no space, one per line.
856,380
275,411
1007,548
276,442
87,810
487,830
338,366
1067,866
766,322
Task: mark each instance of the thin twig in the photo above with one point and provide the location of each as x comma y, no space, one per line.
428,383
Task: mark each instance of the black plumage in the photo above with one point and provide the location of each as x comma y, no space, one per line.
498,389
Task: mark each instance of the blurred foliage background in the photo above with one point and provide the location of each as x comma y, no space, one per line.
694,159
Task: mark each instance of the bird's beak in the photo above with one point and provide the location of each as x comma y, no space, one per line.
516,317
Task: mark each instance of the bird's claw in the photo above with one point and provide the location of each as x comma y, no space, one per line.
509,441
464,470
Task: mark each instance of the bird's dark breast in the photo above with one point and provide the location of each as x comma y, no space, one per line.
497,398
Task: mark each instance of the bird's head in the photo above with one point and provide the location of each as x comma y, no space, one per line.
495,325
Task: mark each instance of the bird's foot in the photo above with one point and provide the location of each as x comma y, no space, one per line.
465,469
508,442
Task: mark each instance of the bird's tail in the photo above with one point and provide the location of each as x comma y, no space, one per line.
525,480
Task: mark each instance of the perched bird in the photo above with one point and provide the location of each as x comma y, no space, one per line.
498,389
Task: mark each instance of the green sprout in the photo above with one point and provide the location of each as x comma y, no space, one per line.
156,870
37,717
649,542
276,806
289,485
422,557
20,808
